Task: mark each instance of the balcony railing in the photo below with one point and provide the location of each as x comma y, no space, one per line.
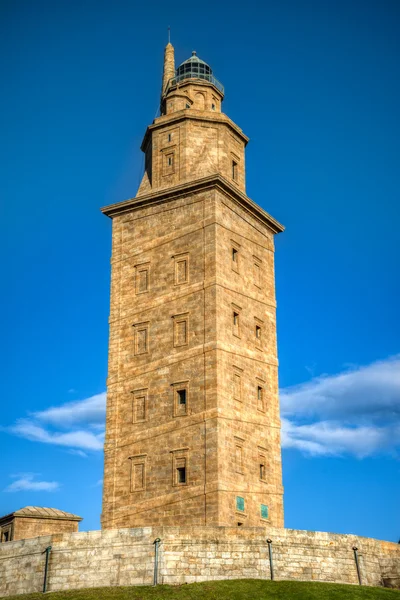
191,75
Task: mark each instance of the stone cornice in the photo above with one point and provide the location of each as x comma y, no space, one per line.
205,183
194,115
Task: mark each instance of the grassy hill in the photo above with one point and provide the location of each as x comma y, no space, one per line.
243,589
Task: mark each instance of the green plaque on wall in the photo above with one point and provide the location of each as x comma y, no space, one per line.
239,503
264,511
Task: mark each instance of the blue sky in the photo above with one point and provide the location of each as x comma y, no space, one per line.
315,86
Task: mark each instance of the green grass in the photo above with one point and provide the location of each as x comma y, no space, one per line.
243,589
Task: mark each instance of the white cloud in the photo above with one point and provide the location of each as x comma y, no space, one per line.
74,439
26,482
370,392
90,410
355,412
77,425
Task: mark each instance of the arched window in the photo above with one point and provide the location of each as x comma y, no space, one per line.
199,101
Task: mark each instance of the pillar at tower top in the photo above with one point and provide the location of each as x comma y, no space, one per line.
169,66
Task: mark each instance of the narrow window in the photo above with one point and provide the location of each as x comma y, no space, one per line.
213,106
235,257
262,465
6,536
169,137
260,398
236,324
234,170
181,475
187,105
179,467
264,511
258,325
257,272
168,163
182,397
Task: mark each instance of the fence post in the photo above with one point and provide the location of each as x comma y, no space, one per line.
271,564
357,564
46,567
156,546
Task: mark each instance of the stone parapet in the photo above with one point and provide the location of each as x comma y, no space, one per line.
188,554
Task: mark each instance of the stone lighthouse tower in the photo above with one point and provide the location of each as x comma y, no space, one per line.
193,427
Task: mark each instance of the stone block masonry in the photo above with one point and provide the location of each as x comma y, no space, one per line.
192,422
189,554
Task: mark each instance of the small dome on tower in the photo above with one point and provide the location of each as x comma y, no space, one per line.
195,68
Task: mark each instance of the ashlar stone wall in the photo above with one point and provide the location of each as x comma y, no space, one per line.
189,554
182,266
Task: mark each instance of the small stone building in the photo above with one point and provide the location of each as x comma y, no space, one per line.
33,521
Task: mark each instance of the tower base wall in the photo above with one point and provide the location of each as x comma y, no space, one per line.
188,554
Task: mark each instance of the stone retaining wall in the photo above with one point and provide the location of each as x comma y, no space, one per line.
188,554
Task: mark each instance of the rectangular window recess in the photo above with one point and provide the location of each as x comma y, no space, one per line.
139,407
234,255
142,278
138,472
141,338
181,397
181,472
262,471
257,271
258,332
264,511
240,503
239,459
169,137
234,170
237,387
181,268
235,319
